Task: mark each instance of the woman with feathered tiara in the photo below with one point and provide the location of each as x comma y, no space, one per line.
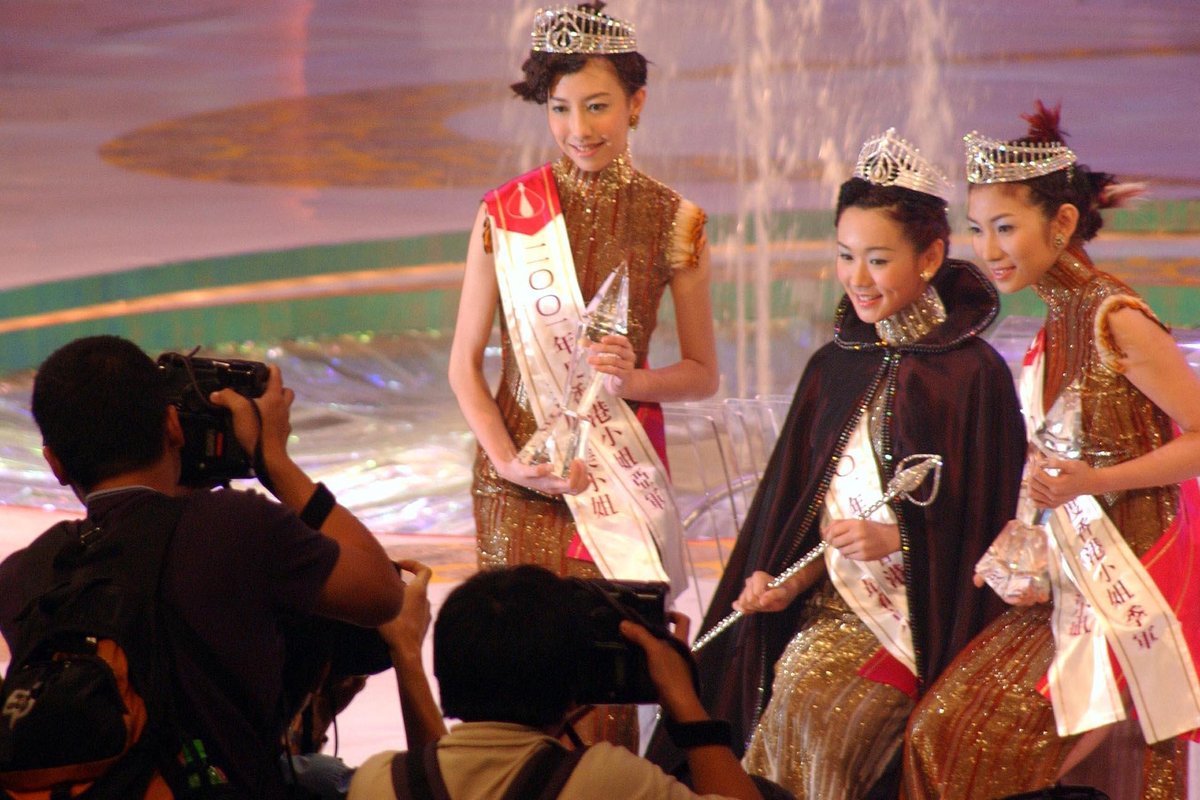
1050,690
822,674
591,211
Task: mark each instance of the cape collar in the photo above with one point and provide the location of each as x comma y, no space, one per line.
971,304
915,321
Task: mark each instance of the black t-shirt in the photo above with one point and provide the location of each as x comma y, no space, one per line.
239,566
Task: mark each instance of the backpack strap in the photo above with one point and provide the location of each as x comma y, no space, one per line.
542,777
433,772
83,552
144,538
545,773
403,786
411,778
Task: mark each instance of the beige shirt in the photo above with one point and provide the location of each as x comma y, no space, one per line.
480,759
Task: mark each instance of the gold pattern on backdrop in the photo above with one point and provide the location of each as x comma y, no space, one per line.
397,137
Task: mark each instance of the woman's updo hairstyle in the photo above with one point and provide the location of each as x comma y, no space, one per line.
542,70
922,216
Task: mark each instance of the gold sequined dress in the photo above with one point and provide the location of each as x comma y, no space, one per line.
618,214
984,730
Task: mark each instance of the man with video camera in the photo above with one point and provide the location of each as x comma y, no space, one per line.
509,646
238,570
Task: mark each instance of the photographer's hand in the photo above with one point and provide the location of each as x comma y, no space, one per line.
363,588
404,636
715,769
671,673
271,425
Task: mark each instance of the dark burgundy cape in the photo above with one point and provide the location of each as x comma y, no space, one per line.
950,394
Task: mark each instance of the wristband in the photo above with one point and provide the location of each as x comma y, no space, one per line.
686,735
318,507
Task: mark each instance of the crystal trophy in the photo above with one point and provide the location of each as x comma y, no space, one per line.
564,437
1015,565
1060,434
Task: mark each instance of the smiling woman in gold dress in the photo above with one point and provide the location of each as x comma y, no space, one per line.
1035,699
591,210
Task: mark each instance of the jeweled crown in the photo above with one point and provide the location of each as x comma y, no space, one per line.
570,29
888,160
995,161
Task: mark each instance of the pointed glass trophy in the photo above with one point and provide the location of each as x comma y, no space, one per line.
1015,565
564,437
1061,433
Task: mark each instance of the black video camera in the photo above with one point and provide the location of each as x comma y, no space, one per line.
211,453
612,670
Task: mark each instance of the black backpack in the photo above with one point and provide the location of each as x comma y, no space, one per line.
86,702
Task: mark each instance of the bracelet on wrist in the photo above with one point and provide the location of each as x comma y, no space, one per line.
318,507
701,733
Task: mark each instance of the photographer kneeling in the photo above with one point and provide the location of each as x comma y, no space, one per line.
507,651
238,569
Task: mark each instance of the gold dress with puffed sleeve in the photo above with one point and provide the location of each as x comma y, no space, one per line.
618,214
984,730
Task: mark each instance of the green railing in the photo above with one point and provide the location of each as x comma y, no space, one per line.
386,285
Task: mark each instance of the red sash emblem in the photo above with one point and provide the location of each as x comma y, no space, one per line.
525,204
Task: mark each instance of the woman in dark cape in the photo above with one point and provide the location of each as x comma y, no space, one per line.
941,390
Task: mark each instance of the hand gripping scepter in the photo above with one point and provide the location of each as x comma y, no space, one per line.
911,473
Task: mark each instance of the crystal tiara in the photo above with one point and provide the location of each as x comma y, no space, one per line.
996,161
569,29
888,160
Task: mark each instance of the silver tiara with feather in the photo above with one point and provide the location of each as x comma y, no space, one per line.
996,161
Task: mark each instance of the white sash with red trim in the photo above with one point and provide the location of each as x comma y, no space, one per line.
1105,600
874,590
627,516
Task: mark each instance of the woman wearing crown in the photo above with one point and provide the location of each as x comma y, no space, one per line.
1050,690
821,676
541,246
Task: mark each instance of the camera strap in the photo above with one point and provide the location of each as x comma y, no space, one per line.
260,464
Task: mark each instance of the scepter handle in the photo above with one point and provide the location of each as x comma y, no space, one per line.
779,580
902,483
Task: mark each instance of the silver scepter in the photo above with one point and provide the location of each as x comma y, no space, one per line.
911,473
